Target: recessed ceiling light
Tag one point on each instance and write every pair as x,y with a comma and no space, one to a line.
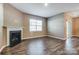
46,4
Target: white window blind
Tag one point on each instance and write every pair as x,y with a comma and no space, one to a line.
35,25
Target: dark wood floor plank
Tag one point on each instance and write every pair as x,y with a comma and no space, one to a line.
44,46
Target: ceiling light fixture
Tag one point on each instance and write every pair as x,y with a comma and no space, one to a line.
46,4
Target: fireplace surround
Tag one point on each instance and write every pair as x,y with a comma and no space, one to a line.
14,36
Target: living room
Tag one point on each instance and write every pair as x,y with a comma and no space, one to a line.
38,29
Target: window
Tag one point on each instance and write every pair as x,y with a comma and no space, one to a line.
35,25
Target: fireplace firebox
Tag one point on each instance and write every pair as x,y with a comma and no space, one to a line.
15,37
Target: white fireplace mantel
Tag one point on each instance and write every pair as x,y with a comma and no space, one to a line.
13,29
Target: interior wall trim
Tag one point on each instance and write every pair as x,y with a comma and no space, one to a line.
2,48
56,37
44,36
34,37
76,35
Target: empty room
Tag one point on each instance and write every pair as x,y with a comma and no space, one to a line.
39,29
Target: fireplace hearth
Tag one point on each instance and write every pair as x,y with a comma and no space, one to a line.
15,37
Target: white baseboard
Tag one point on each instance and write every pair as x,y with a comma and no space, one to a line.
56,37
34,37
43,36
76,35
2,48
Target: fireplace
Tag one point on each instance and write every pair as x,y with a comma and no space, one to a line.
15,37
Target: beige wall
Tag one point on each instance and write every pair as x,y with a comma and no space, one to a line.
16,18
27,33
12,16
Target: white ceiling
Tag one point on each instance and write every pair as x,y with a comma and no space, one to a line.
40,10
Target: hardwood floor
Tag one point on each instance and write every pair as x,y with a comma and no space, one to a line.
44,46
